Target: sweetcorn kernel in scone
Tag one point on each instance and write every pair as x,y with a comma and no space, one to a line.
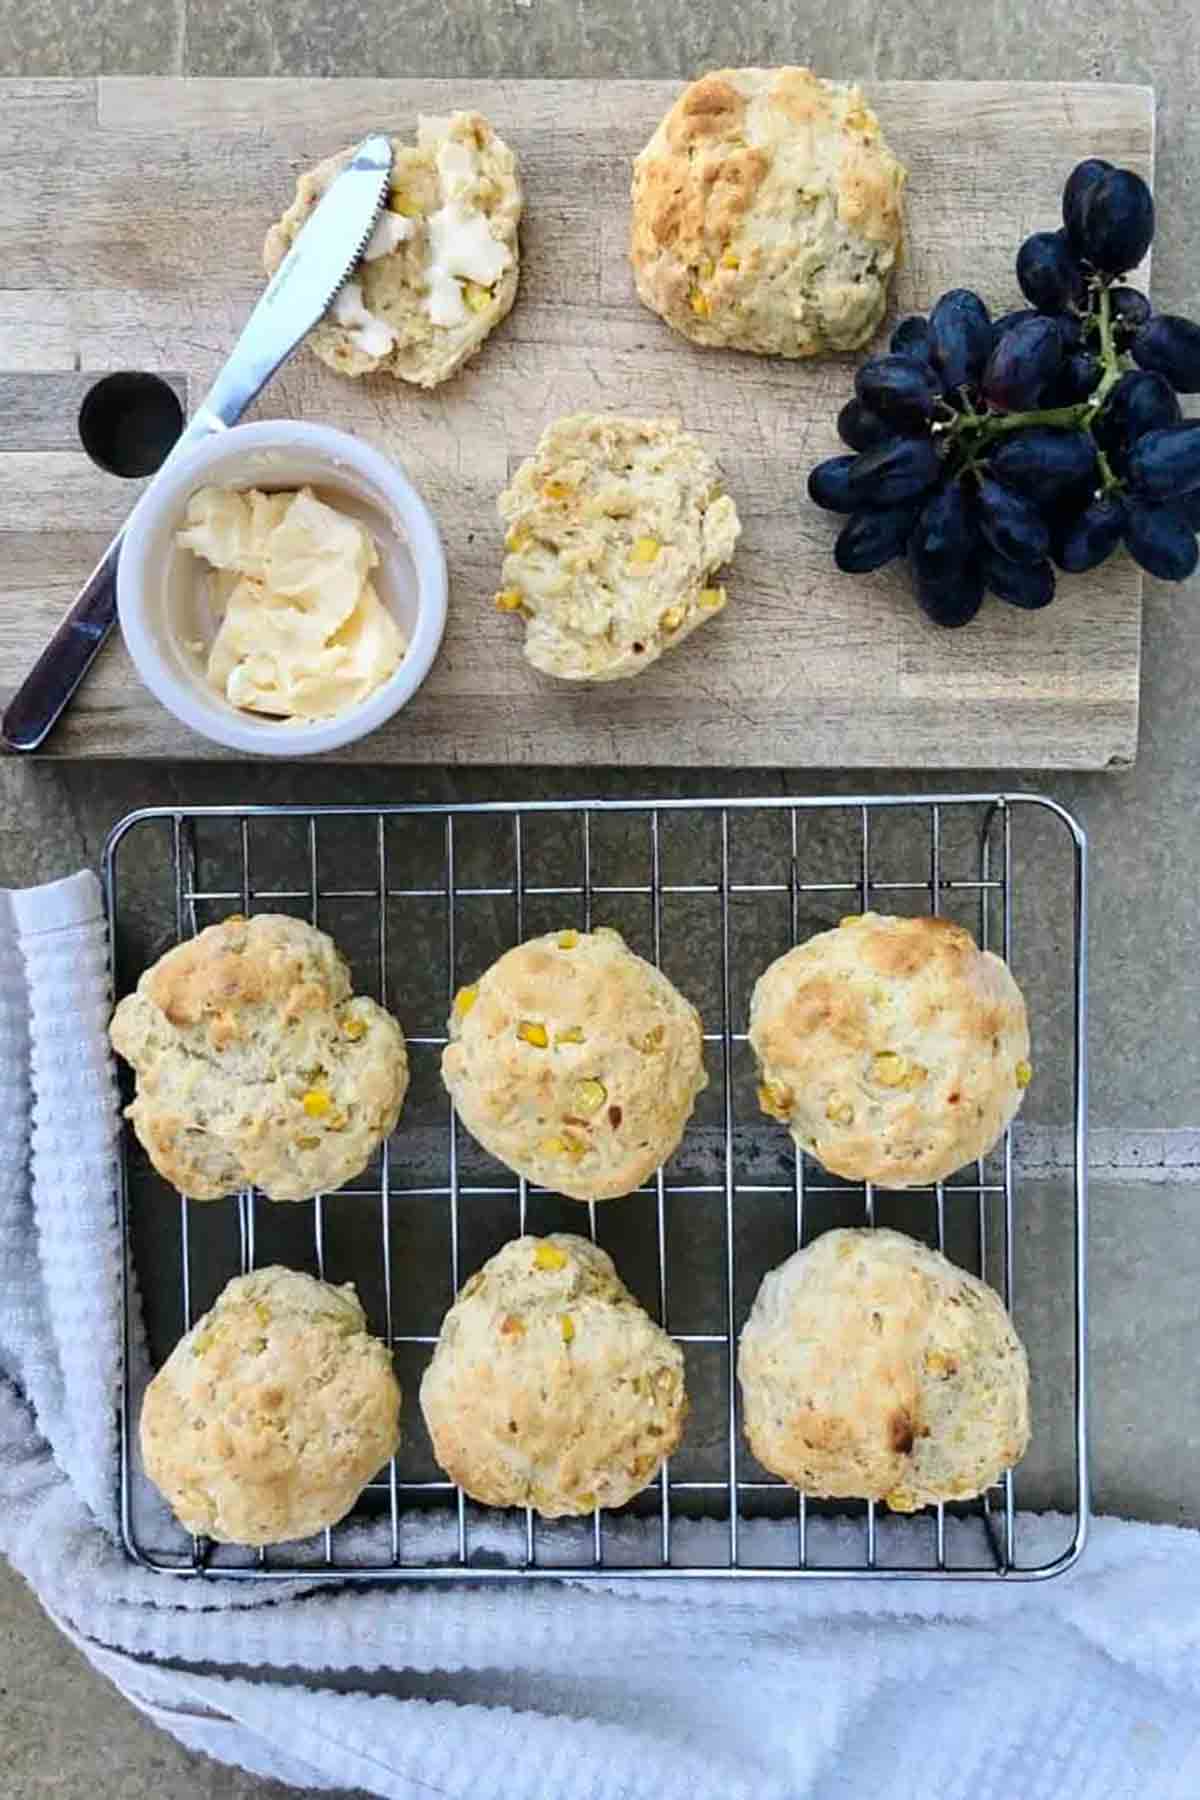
895,1050
256,1063
269,1418
440,271
767,214
575,1062
872,1368
616,530
550,1386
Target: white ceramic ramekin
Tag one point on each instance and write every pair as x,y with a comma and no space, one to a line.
161,588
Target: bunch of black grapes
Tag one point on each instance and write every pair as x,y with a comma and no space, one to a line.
987,451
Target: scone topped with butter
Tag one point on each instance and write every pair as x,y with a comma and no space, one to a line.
767,214
440,271
894,1049
269,1418
616,530
257,1065
575,1062
550,1386
300,629
872,1368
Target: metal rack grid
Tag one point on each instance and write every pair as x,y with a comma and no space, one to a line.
422,1526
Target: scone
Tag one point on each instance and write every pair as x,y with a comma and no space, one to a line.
616,528
256,1064
440,271
894,1050
550,1387
872,1368
269,1418
575,1062
767,214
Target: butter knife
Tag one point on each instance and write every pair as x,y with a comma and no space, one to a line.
299,294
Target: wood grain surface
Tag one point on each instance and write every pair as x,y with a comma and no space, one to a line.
132,214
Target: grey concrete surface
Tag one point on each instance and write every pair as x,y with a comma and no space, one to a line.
65,1732
62,1732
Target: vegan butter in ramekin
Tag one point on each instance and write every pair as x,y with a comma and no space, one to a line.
302,632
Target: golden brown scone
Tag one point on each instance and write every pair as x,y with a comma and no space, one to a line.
269,1418
767,214
616,528
256,1065
893,1049
575,1062
441,269
872,1368
550,1387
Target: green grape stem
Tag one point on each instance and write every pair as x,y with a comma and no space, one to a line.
971,432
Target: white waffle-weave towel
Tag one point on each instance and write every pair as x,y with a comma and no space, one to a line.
1087,1686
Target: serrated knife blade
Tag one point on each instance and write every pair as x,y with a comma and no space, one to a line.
304,285
298,295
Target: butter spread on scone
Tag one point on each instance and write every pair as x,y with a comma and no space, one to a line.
616,530
872,1368
256,1063
440,269
894,1049
575,1062
550,1386
767,214
302,633
269,1418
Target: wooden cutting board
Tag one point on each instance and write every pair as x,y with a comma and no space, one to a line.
132,214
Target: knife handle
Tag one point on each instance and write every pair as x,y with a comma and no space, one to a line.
34,708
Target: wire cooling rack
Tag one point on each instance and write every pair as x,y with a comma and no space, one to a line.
422,898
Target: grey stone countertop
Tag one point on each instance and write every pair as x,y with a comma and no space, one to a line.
62,1731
